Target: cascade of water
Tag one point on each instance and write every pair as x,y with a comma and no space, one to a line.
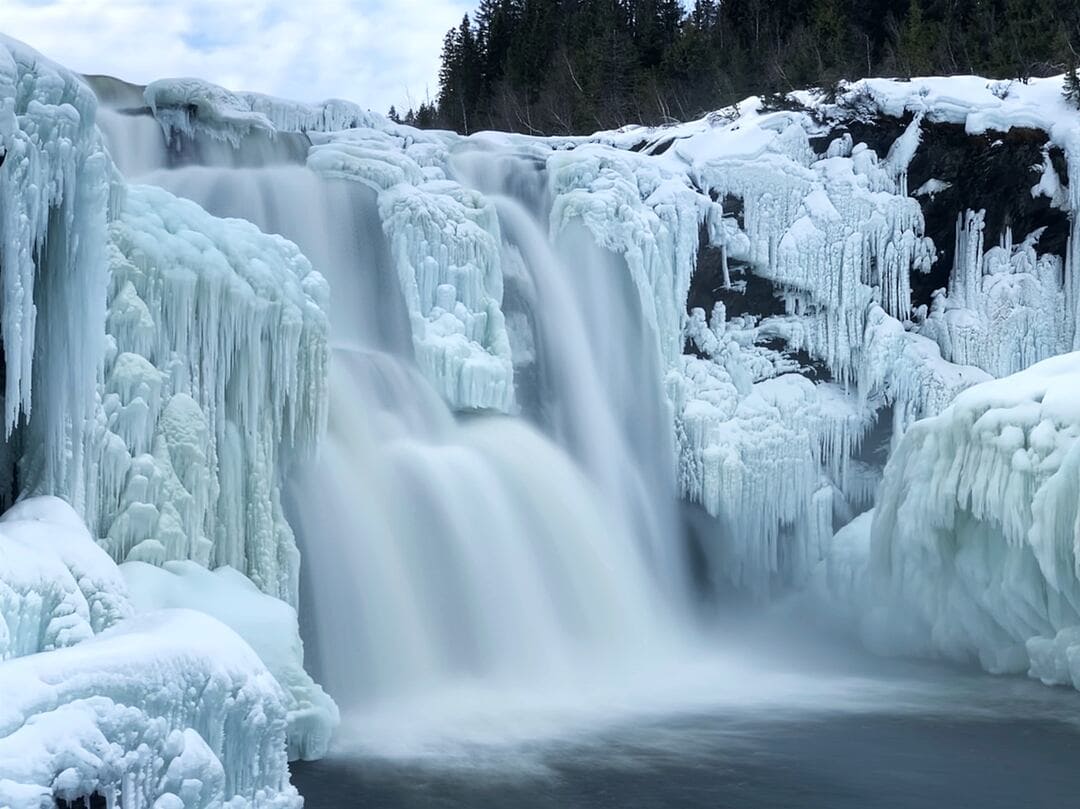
598,389
440,549
335,224
459,550
600,393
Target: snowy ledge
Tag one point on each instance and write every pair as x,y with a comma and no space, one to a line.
971,552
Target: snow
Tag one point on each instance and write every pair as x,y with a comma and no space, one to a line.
138,707
267,624
172,703
186,106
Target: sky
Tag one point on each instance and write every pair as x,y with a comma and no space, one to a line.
373,52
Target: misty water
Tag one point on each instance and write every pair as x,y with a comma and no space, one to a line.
792,720
501,605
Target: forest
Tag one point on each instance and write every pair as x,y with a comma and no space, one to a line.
552,67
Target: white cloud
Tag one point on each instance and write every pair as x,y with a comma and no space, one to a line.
374,52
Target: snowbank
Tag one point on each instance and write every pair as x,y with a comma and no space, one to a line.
167,705
266,623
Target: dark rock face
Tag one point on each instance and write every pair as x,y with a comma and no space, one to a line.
750,294
93,801
874,450
993,172
754,296
879,133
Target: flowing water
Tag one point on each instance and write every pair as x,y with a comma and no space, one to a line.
500,604
487,553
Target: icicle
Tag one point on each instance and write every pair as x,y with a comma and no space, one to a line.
218,383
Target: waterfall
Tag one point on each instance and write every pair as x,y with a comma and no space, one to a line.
445,550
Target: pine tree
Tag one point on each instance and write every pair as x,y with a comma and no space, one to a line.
827,24
1071,89
915,40
426,116
392,114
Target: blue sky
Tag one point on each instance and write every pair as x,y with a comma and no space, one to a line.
374,52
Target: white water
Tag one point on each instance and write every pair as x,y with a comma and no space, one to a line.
489,555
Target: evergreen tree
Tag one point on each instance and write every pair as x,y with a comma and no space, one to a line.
1071,89
426,116
829,30
552,66
914,45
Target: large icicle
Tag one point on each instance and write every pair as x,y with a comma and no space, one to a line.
1006,309
54,184
215,379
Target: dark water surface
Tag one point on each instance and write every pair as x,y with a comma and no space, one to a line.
950,739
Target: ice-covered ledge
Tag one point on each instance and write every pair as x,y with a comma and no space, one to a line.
971,552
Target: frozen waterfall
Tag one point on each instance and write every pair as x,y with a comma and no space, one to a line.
496,422
518,550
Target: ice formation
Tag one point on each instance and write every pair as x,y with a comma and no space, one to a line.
168,707
186,106
970,551
163,369
1005,309
268,624
55,182
445,243
838,238
215,379
835,233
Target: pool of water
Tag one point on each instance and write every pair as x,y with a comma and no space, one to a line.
836,731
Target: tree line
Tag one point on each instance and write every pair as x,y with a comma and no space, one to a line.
570,66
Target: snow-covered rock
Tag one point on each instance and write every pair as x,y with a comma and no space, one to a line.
187,106
167,704
268,624
971,553
141,707
57,587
